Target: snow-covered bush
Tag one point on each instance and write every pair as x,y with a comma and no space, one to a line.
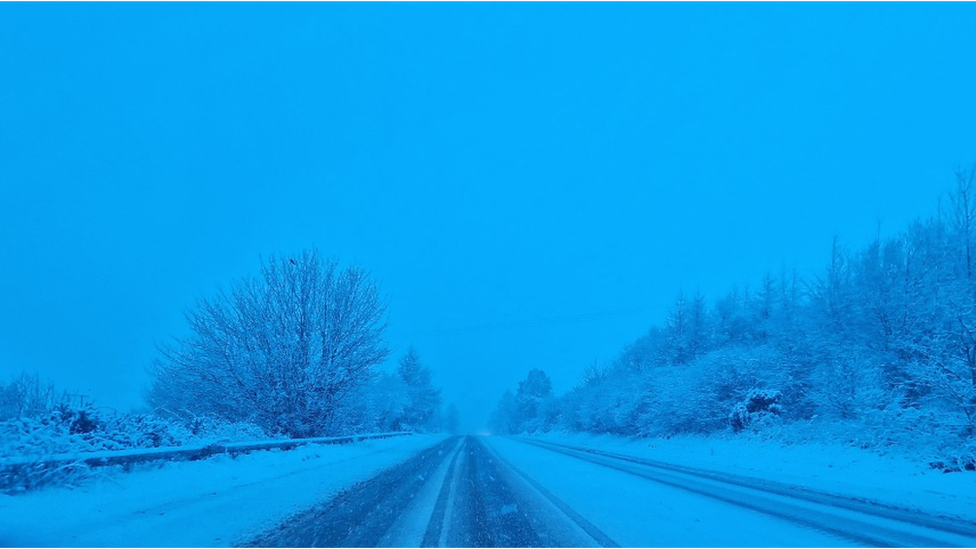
209,429
64,430
674,403
760,408
957,459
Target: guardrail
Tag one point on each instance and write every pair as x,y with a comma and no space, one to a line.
12,471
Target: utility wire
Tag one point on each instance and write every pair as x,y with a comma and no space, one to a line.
548,321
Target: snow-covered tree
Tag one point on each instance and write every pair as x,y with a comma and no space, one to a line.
452,419
375,406
532,401
503,417
422,412
284,351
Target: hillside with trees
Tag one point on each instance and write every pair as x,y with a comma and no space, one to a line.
878,350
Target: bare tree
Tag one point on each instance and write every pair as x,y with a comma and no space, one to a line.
964,211
27,396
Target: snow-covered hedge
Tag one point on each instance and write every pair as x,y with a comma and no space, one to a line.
90,429
69,430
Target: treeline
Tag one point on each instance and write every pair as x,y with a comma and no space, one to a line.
38,420
292,353
878,349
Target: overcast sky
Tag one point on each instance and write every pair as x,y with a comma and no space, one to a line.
509,173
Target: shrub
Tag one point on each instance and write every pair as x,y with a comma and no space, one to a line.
760,407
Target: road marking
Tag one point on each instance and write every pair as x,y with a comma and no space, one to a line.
451,497
410,527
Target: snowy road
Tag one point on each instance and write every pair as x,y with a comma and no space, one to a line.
427,491
499,492
456,494
696,507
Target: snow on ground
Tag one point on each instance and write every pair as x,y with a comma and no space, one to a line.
216,502
892,479
635,512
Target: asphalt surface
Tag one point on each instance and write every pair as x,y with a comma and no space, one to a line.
477,500
462,493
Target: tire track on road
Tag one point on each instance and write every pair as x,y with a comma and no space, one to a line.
361,515
458,493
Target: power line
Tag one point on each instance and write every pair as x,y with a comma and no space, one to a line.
536,322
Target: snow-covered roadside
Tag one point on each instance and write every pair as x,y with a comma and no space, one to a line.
892,479
216,502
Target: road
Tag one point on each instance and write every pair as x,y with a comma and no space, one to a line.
499,492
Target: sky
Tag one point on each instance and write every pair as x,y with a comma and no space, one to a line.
531,184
